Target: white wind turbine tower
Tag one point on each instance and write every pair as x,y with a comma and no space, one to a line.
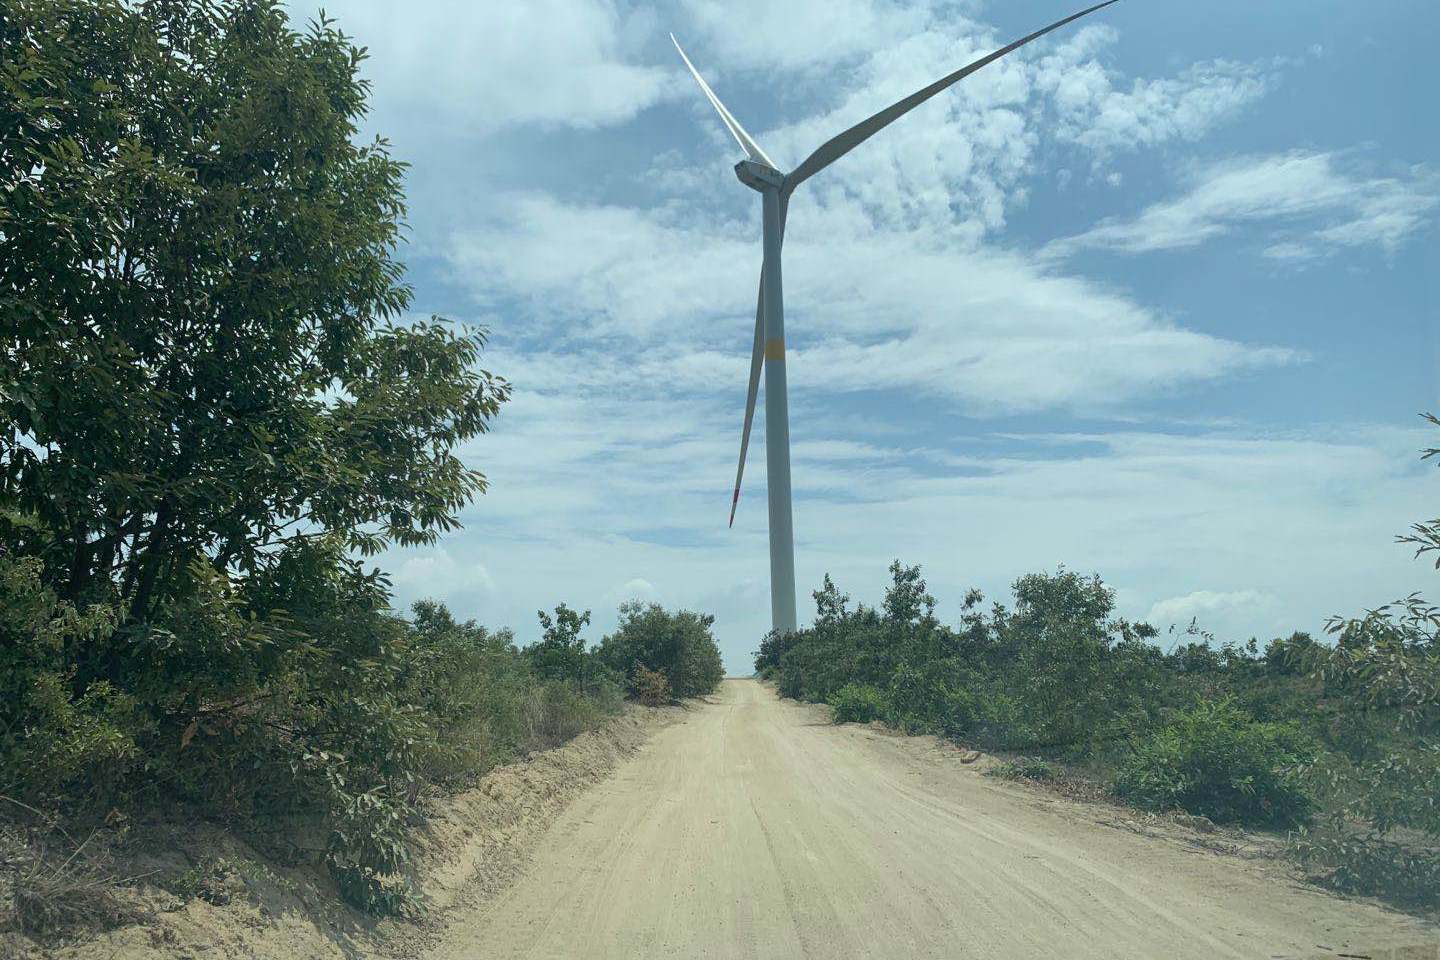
759,173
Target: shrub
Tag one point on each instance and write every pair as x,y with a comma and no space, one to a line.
560,654
57,742
857,703
559,712
1214,760
1367,864
1023,768
679,645
651,687
1382,835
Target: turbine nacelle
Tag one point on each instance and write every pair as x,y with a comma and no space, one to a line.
759,176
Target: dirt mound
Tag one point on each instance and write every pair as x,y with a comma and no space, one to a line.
176,889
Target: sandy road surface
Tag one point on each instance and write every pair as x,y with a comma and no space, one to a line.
753,829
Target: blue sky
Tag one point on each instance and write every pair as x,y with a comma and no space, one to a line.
1153,298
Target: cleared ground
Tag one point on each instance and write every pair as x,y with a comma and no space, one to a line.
756,829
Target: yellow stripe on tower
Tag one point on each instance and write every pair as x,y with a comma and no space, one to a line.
775,349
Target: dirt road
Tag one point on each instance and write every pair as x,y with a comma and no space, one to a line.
755,829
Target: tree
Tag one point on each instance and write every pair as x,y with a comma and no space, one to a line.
560,653
204,352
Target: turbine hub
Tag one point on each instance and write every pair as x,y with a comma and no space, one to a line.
758,176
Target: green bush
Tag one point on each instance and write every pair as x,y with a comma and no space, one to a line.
1382,679
560,653
559,712
1214,760
59,739
1363,863
679,645
1024,768
857,703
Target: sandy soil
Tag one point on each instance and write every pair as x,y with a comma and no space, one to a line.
756,829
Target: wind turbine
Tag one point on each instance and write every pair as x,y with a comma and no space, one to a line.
758,172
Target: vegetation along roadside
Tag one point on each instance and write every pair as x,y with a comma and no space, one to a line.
1335,741
217,409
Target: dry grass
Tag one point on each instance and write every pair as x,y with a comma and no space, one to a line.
53,886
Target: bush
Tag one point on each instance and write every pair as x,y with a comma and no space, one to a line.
57,742
651,687
1214,760
560,712
857,703
560,654
59,890
1370,865
679,645
1023,768
202,445
1382,834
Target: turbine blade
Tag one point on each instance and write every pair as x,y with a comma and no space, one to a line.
747,143
757,360
836,147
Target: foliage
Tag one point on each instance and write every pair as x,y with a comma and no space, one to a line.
203,359
1425,536
1372,865
857,703
678,645
1383,832
59,888
214,407
60,740
561,654
650,687
1058,672
1058,676
1214,760
1023,768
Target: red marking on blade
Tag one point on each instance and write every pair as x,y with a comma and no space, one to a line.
734,502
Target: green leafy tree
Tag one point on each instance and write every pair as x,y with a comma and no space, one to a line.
215,405
560,653
204,348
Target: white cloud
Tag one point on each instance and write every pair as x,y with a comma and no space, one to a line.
1097,110
438,573
1312,204
799,34
637,588
1202,605
990,330
483,66
959,162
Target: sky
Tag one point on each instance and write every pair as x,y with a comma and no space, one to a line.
1153,298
